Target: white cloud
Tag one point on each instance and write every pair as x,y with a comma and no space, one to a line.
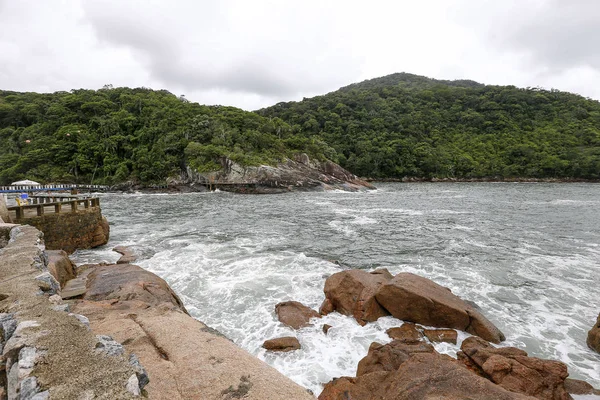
253,54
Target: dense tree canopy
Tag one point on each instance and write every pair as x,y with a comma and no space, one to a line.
407,125
114,135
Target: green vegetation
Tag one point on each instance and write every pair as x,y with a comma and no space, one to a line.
407,125
391,127
113,135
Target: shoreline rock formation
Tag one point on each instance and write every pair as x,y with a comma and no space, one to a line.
593,338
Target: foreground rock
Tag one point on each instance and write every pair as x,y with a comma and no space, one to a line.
283,344
422,376
298,174
593,339
352,293
4,217
389,357
413,298
60,266
184,358
512,369
295,314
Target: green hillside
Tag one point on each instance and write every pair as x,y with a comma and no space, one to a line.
115,135
407,125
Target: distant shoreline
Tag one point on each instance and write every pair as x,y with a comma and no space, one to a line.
481,180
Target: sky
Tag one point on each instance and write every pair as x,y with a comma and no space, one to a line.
256,53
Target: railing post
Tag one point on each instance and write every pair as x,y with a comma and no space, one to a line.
40,210
57,208
73,205
86,203
20,212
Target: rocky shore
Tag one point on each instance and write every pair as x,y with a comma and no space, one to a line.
409,367
111,331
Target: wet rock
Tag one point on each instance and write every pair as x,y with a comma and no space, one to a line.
295,314
60,266
326,328
417,299
576,386
47,283
108,346
512,369
127,255
422,376
406,333
283,344
353,292
388,357
593,338
441,335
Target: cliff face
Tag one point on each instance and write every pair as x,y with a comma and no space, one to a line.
298,174
82,229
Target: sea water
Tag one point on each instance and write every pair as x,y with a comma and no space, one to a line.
527,254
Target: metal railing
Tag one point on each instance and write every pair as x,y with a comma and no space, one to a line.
46,188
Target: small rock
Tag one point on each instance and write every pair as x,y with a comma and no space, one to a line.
47,283
62,307
441,335
55,299
326,328
406,333
108,346
295,314
82,318
593,339
133,385
27,357
140,372
284,344
29,388
45,395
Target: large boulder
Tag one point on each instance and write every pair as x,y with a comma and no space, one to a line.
422,376
593,339
4,217
413,298
388,357
512,369
353,292
126,282
60,266
295,314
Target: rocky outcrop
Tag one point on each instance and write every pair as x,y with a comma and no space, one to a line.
184,358
427,375
407,333
593,338
576,386
513,370
294,314
299,174
352,292
413,298
82,229
441,335
283,344
389,357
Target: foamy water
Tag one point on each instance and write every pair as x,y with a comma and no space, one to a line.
527,254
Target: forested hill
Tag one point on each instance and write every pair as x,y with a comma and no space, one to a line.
407,125
114,135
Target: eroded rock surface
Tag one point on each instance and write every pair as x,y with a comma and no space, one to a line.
389,357
512,369
284,344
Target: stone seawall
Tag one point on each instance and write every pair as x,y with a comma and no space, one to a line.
82,229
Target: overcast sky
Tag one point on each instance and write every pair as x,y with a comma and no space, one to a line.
253,54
